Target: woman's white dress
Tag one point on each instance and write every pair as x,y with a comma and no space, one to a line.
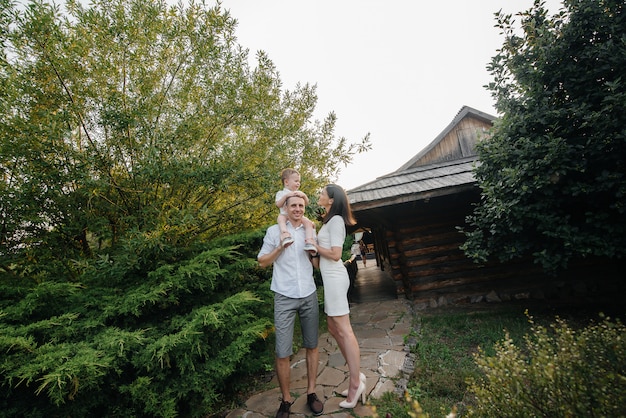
334,273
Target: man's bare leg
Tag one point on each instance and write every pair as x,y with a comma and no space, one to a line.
312,362
283,372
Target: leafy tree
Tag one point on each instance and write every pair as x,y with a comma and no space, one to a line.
138,126
553,174
135,139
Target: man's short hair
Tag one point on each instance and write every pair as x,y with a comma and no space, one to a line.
287,200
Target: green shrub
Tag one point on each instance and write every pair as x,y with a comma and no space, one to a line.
560,372
173,341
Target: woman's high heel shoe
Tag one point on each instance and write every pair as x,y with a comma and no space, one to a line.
345,392
359,393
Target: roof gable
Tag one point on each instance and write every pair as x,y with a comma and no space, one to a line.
444,167
456,141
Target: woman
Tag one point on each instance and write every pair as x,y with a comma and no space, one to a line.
329,246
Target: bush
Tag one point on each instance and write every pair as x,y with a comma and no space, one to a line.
559,372
175,341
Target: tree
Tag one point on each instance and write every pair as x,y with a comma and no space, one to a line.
136,126
553,174
135,141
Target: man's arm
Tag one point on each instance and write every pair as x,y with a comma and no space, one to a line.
315,260
266,260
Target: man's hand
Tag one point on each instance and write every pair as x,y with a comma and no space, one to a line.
315,258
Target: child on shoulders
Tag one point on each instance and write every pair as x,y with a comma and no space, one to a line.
291,182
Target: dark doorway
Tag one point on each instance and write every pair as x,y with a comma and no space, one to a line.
371,284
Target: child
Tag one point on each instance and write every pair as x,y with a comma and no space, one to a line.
291,183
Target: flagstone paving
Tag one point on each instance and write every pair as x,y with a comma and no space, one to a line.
381,328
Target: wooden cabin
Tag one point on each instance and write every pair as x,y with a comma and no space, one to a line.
414,214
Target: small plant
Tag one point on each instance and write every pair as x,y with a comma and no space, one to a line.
559,372
408,406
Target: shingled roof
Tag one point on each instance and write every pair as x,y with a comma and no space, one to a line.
443,167
414,184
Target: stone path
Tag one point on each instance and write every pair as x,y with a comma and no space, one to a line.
381,328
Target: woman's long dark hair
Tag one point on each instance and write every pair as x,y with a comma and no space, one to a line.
340,205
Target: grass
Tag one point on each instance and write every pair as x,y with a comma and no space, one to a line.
446,342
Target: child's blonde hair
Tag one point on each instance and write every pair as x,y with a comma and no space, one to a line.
286,173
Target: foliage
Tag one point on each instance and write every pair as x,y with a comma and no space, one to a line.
552,174
134,129
443,357
409,407
136,145
562,373
176,342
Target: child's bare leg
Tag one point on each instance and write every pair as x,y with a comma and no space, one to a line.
309,228
285,236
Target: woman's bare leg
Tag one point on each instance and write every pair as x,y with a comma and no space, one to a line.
341,329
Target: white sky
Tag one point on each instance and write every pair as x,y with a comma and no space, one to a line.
398,69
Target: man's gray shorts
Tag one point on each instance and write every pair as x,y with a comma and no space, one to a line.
285,310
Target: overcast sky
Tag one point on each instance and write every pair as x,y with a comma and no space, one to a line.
398,69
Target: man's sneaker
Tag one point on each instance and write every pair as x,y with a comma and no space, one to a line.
283,410
315,405
309,247
286,241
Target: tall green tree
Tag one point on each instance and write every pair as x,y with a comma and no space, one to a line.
553,173
132,135
138,127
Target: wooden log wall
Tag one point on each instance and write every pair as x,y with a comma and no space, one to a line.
425,255
427,264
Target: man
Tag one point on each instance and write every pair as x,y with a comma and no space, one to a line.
294,292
